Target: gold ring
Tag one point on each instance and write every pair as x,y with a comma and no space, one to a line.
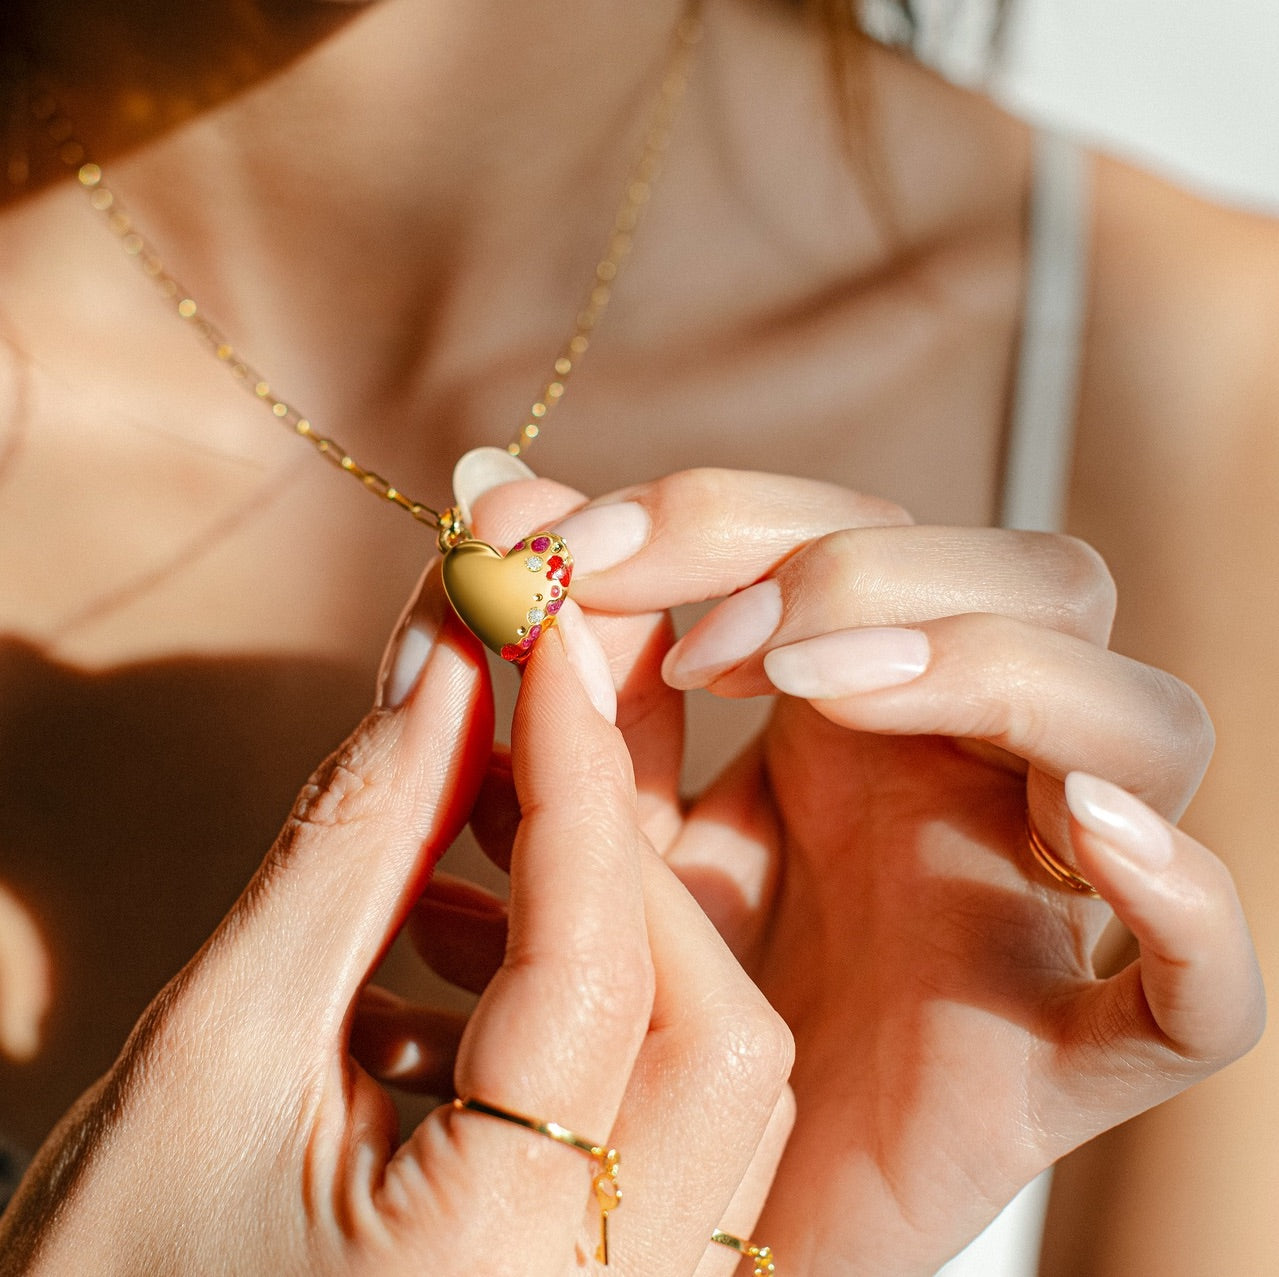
762,1255
1054,866
604,1185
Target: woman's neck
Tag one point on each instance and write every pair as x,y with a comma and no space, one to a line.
338,184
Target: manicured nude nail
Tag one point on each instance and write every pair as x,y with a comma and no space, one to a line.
603,536
848,662
587,658
409,649
725,637
480,471
1121,821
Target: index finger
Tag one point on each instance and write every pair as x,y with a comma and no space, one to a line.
560,1025
556,1034
702,534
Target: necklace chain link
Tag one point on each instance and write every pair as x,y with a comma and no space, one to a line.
70,149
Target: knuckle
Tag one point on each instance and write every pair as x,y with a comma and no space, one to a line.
854,559
1186,730
750,1048
1084,595
1193,726
349,787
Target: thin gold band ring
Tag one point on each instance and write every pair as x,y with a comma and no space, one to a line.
604,1184
1054,866
762,1255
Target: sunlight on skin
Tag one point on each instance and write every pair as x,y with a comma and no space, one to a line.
408,1059
26,986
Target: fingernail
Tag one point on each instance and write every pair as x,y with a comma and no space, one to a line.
480,471
725,637
1121,821
587,659
409,648
605,535
848,662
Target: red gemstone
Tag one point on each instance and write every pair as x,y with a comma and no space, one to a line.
512,653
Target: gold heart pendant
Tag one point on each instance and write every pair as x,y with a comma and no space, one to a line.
508,601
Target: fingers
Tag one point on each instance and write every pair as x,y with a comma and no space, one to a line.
649,714
742,1213
577,946
365,832
708,1109
1194,1001
701,534
558,1029
617,1011
895,576
1057,701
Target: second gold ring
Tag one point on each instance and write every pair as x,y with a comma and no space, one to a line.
1054,866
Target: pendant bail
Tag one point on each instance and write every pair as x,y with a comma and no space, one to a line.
452,530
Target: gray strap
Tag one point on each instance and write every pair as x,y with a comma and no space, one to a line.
1041,432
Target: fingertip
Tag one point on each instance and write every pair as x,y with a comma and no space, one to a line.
1120,822
731,632
1198,967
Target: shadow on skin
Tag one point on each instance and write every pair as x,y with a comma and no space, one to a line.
135,803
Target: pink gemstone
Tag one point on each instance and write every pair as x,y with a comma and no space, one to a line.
555,590
532,636
541,545
517,547
554,606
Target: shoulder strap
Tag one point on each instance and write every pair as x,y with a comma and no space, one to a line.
1041,432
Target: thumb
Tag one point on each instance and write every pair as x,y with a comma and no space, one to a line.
1193,1001
368,827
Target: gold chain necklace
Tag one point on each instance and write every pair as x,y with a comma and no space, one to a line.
507,601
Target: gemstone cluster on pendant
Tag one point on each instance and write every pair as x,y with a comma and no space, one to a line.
546,556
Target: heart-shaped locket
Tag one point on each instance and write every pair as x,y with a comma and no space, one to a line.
509,600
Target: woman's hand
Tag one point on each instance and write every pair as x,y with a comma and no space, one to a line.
867,858
237,1133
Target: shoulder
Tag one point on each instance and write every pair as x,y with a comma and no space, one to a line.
1177,461
1185,295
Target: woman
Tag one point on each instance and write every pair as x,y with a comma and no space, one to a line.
394,207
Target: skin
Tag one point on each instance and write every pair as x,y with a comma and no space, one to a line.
788,321
948,946
250,1041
